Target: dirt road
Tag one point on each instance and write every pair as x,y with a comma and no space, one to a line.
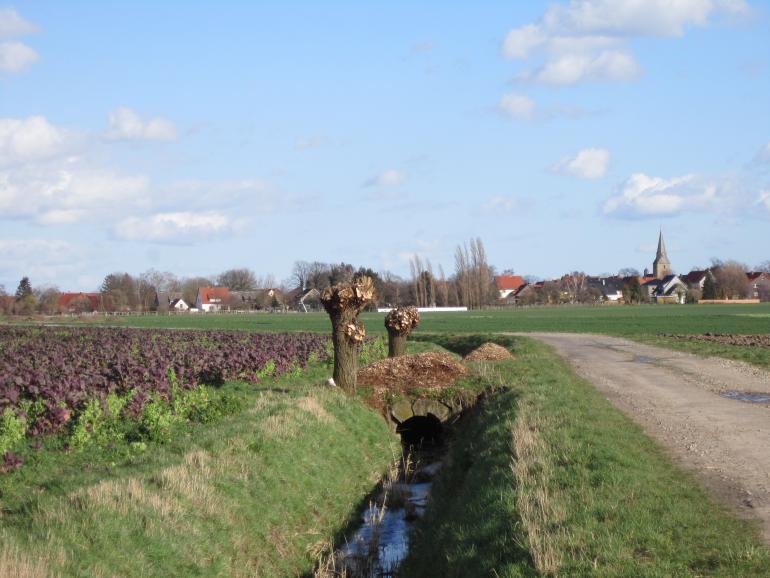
676,398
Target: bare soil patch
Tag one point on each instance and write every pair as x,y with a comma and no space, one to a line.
726,339
489,352
422,370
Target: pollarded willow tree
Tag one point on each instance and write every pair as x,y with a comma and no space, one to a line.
399,323
343,302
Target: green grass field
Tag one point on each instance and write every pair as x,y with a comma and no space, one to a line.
628,320
640,322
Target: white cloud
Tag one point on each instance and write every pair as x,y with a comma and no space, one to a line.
126,124
68,191
15,56
32,138
176,227
500,204
12,25
609,65
389,178
764,199
584,40
587,164
517,106
629,17
645,196
42,260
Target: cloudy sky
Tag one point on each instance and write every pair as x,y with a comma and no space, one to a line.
197,137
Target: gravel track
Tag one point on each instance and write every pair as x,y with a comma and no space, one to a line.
675,397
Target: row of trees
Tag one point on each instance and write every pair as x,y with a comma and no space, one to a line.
471,285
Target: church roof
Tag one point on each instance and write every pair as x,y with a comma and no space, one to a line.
660,256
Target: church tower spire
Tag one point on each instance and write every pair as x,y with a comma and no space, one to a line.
661,266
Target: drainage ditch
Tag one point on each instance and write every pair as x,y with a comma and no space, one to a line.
381,542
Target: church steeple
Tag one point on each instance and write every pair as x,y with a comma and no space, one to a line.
661,266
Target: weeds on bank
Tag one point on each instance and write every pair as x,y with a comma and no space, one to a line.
546,477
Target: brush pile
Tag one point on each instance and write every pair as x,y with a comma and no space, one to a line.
489,352
421,370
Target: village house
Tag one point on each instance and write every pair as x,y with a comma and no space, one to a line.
759,284
212,298
80,302
611,288
170,301
508,285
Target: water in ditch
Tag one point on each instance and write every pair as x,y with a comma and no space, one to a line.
379,545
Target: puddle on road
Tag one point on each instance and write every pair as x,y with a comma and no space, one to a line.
645,359
747,396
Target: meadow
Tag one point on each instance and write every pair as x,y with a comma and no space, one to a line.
625,320
646,323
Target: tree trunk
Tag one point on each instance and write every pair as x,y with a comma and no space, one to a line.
345,351
343,302
396,343
399,323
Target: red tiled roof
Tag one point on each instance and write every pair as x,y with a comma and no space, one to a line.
217,294
754,275
66,300
645,280
509,282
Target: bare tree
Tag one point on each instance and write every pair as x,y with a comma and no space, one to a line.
47,299
190,285
473,275
392,289
731,280
238,280
300,273
628,272
423,282
575,284
764,266
442,297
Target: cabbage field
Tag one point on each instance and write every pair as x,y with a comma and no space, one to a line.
61,370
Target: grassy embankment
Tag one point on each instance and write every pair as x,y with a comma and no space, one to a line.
640,322
548,478
262,492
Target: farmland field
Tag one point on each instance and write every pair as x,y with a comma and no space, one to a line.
646,323
627,320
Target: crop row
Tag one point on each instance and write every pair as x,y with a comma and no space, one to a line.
65,368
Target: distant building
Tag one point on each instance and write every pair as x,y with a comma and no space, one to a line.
212,298
611,288
508,284
670,289
661,266
696,279
760,285
79,302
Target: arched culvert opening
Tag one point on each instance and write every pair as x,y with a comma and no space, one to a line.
420,430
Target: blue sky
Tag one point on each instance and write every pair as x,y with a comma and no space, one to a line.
197,137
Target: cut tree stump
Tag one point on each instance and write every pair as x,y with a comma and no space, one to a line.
343,302
399,322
